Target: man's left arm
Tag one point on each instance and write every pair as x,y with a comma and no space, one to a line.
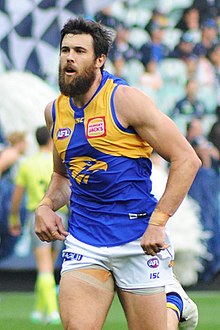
136,109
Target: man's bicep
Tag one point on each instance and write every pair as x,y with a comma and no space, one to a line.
164,136
138,110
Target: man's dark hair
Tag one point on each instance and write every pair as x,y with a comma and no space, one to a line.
102,38
42,136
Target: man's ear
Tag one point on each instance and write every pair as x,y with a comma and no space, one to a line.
100,61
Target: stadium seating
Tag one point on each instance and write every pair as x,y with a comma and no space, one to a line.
138,36
174,76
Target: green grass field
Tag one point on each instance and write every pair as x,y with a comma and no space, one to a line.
15,309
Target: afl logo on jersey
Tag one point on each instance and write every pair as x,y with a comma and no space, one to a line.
63,133
96,127
153,263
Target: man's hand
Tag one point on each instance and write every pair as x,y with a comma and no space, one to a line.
153,240
48,225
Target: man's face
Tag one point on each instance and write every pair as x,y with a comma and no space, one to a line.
77,68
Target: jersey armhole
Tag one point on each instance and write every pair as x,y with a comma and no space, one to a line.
117,122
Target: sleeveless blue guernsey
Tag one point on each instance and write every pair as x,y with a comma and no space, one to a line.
108,166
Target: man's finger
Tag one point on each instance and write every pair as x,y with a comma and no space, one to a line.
56,235
62,229
165,246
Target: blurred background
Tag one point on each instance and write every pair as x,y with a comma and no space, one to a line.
171,51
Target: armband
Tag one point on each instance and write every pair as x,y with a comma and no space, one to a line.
159,218
46,201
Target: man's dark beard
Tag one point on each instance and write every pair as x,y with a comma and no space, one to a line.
80,85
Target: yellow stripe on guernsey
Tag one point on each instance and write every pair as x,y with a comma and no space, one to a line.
62,138
101,129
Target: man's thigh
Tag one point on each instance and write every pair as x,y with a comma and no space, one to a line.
85,298
144,312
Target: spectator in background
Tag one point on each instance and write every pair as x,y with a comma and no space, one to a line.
9,157
189,105
189,22
32,178
122,50
184,49
209,37
106,18
205,190
204,70
158,17
154,49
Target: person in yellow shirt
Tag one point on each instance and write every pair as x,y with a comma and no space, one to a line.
32,178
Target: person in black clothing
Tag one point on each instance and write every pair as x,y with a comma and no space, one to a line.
184,49
106,18
155,49
189,104
208,39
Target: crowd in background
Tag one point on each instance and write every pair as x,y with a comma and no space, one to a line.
171,48
173,54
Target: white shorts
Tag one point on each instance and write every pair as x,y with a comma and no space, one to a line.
129,265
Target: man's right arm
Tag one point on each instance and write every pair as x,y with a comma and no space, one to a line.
58,192
48,225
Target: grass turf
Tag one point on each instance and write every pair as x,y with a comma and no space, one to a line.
15,309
